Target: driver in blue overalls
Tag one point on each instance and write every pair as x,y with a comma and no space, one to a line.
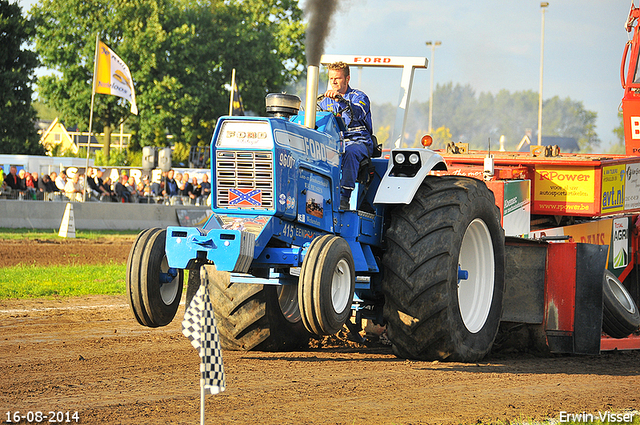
355,109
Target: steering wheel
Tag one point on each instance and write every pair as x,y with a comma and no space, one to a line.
341,111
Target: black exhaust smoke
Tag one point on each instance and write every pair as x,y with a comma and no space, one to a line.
319,13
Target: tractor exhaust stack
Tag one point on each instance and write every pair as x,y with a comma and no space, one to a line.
313,75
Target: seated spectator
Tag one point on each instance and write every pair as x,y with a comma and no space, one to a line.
185,189
106,194
42,182
142,198
170,188
29,184
41,187
53,176
92,186
108,184
196,192
157,187
46,187
122,193
205,187
132,187
12,180
22,184
61,180
73,188
144,188
5,190
35,178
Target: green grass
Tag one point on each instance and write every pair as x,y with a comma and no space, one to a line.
20,234
66,281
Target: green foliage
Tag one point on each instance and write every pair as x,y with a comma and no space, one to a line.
117,158
383,134
181,154
618,148
441,137
44,112
17,66
180,54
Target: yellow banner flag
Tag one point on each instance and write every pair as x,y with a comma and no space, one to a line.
113,76
236,102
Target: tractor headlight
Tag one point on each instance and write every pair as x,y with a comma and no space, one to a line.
406,163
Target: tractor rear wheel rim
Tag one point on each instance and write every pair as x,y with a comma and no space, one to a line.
288,300
621,295
475,294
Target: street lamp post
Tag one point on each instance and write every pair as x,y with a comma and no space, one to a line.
433,49
543,7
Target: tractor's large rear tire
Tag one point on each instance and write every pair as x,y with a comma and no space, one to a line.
254,317
433,312
154,294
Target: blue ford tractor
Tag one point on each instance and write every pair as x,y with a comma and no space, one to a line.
422,254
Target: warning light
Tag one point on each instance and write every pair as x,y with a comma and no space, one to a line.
427,140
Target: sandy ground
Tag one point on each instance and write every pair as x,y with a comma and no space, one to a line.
89,355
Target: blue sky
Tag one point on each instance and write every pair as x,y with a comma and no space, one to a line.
493,45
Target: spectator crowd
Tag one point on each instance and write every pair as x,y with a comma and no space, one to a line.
171,189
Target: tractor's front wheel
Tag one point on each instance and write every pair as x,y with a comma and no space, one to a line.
444,272
252,316
326,285
154,289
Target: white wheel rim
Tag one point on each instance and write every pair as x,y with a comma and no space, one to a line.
341,286
475,294
621,294
288,300
168,291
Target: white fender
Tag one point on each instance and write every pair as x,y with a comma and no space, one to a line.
399,189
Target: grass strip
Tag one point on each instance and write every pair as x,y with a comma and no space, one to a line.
62,281
30,234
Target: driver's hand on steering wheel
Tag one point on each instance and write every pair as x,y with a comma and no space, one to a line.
333,94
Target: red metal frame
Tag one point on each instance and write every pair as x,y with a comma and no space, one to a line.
631,342
631,98
560,288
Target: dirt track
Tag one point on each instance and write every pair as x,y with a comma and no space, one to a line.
89,355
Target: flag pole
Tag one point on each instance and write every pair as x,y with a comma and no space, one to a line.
93,93
202,380
233,87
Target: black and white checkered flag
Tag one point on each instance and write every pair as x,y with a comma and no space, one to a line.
199,325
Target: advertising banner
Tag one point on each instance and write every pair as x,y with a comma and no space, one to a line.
612,197
564,190
632,187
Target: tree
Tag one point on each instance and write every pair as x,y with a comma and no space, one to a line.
476,119
619,147
66,41
441,137
568,118
17,66
180,54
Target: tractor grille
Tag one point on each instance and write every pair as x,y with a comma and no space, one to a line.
244,170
